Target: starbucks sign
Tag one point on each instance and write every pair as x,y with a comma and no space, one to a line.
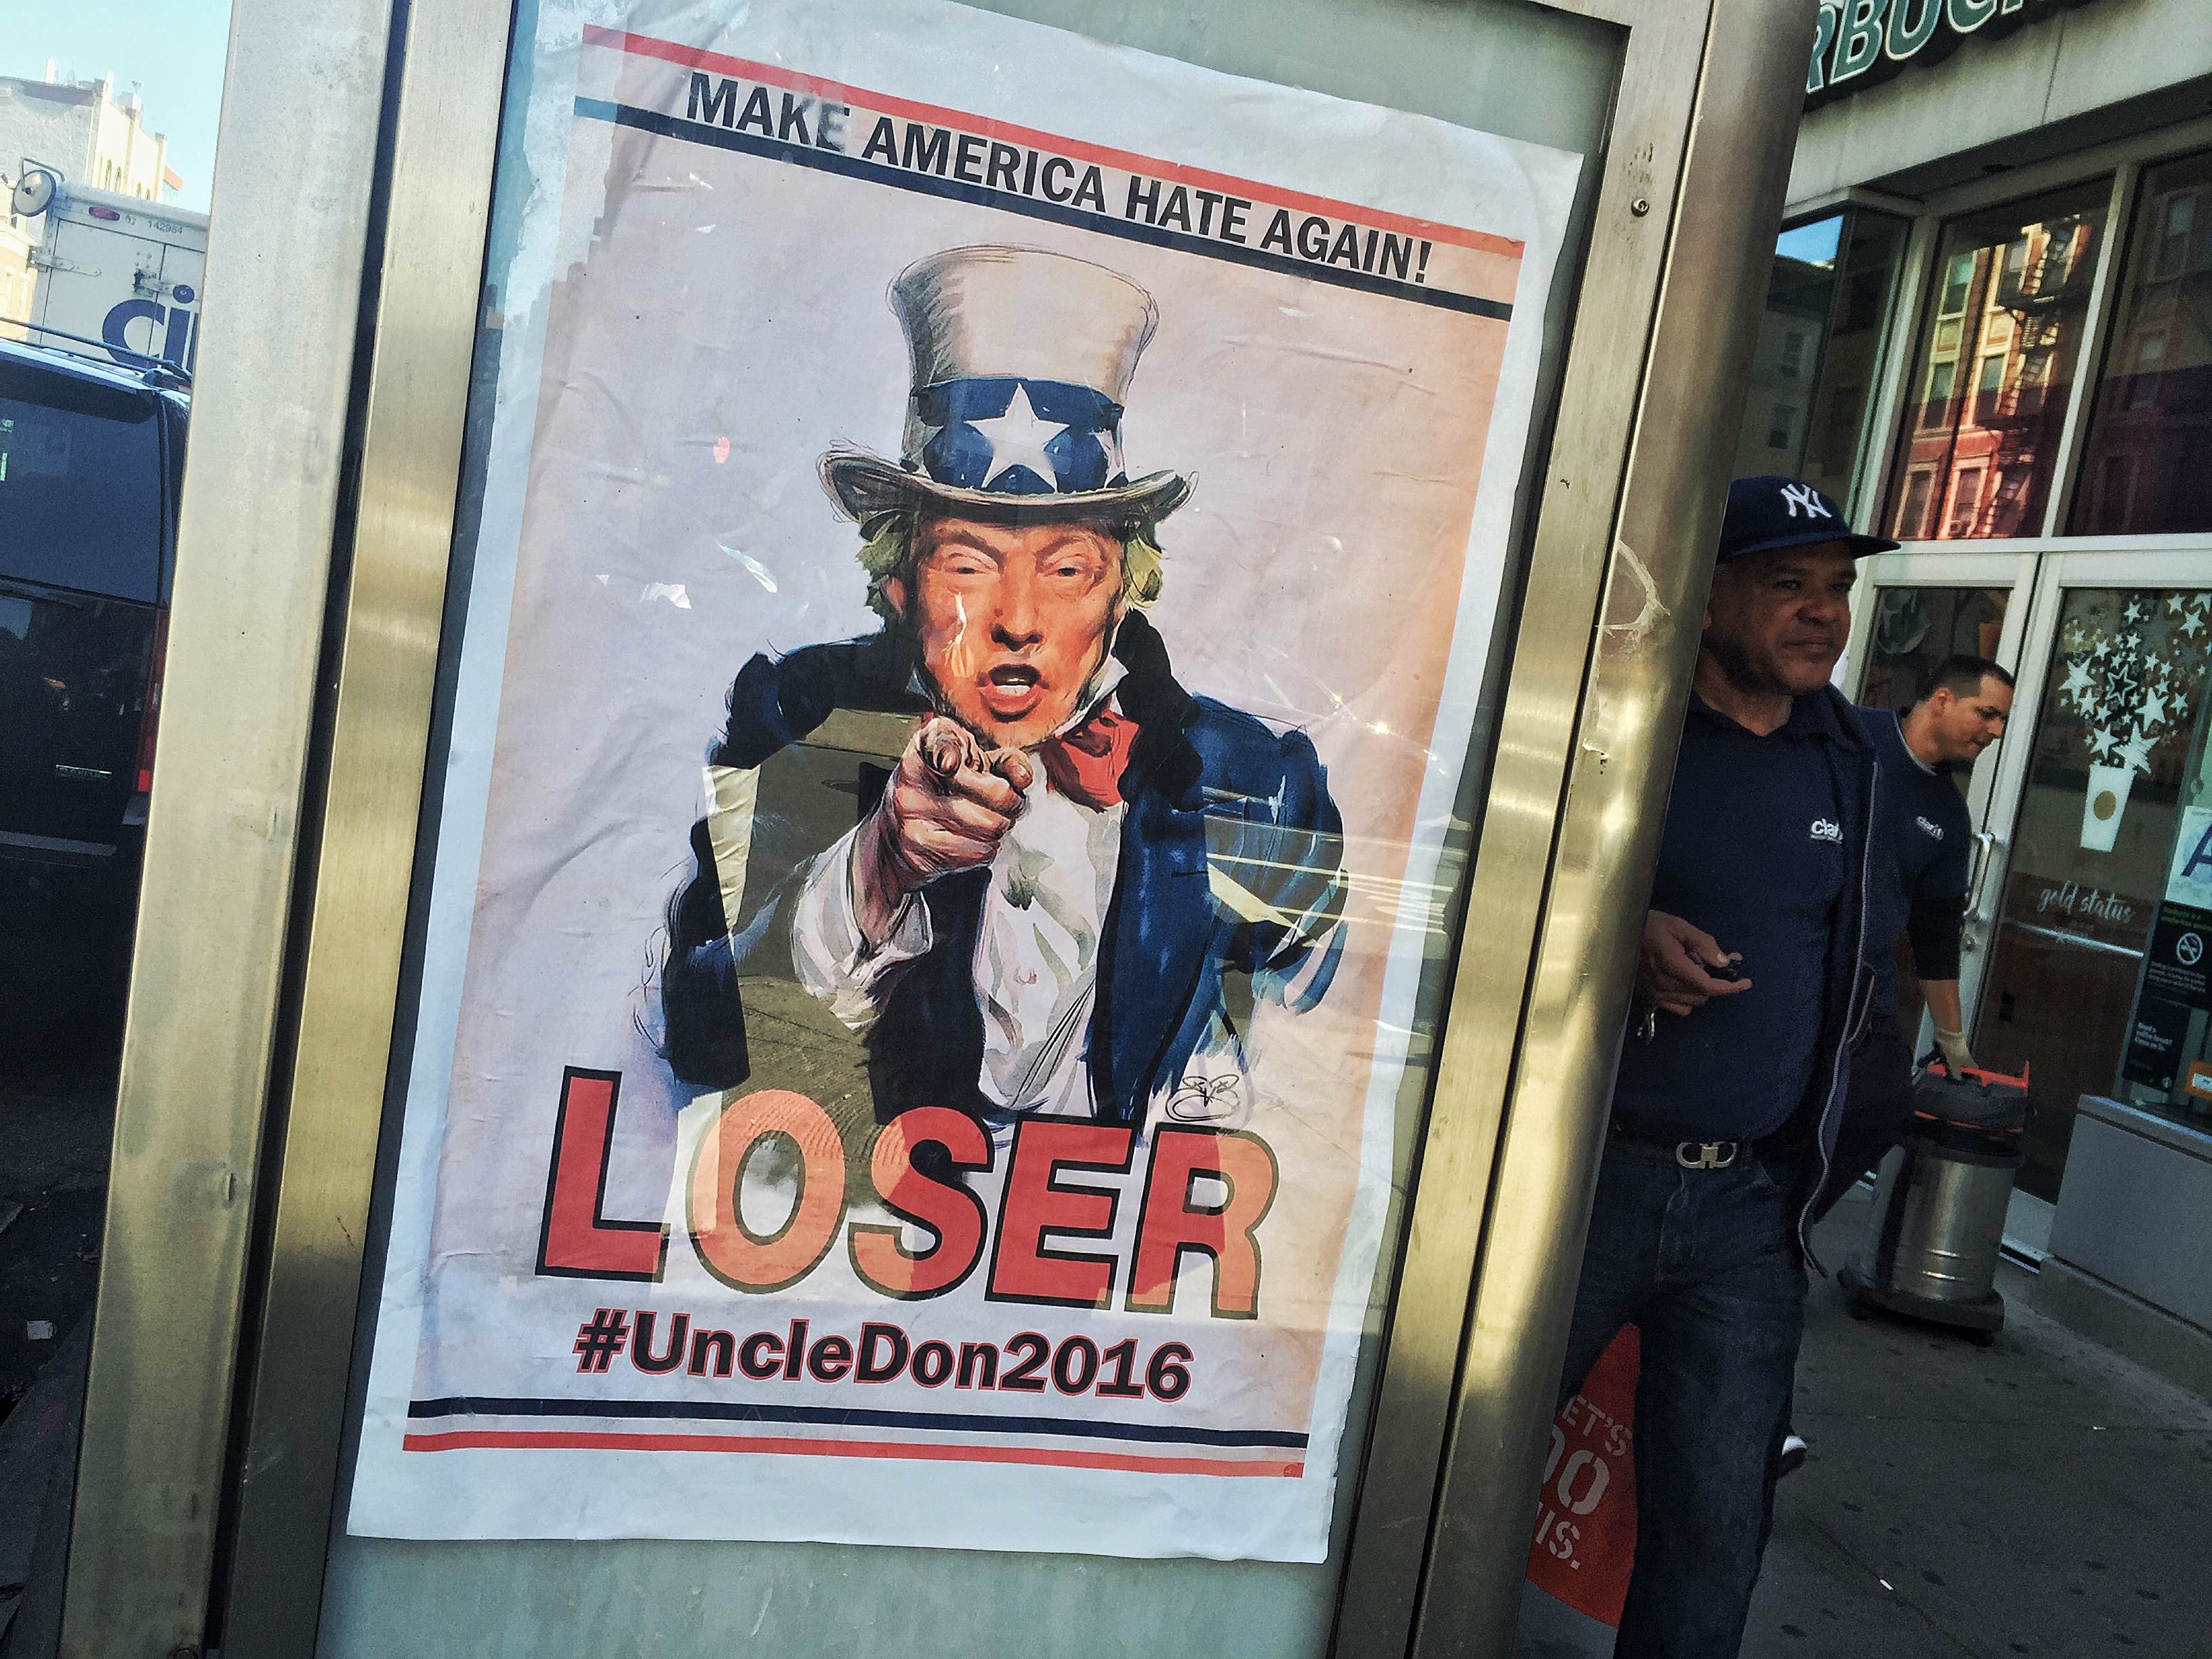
1862,43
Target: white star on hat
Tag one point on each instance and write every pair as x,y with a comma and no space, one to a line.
1018,438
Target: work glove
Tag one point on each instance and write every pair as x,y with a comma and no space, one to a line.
1957,1057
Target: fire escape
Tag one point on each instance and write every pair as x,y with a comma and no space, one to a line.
2046,298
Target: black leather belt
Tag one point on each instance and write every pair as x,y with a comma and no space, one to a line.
1688,1154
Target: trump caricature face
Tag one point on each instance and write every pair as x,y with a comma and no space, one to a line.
1013,619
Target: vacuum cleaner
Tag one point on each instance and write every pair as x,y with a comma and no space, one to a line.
1940,1202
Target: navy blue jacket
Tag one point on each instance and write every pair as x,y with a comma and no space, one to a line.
1848,988
1850,992
1215,797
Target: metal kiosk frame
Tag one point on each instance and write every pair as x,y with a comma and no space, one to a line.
318,519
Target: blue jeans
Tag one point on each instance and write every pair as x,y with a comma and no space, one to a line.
1705,1262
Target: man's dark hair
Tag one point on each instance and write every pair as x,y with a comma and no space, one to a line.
1962,676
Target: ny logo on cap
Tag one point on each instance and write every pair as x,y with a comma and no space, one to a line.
1804,495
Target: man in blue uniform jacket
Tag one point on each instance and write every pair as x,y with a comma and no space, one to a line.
1753,981
1919,898
1079,880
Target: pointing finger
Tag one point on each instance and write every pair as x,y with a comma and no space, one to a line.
1014,767
946,747
989,789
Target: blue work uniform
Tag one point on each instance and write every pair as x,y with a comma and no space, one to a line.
1922,852
1754,853
1917,878
1766,848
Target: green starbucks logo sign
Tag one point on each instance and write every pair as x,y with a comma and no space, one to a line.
1862,43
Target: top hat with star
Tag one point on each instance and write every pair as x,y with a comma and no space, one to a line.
1022,359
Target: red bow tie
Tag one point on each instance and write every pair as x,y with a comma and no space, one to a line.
1085,763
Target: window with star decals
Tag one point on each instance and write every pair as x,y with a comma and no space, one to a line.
2115,779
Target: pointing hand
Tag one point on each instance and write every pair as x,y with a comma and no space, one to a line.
946,808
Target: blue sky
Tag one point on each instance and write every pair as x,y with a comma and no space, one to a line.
1816,243
172,48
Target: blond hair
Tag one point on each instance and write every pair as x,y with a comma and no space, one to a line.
887,551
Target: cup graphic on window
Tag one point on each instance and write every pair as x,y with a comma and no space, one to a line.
2104,804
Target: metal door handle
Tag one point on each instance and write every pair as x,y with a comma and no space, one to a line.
1985,842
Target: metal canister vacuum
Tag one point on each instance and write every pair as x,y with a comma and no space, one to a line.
1939,1207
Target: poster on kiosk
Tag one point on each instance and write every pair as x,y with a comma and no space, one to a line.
989,546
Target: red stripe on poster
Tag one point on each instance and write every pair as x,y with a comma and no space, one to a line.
572,1440
644,45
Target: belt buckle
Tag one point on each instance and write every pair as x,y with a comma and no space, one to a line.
1705,1154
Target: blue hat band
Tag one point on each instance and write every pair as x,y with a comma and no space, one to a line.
1007,435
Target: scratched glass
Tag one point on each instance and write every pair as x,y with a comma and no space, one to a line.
800,1135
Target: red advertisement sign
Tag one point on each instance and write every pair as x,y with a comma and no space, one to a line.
1585,1541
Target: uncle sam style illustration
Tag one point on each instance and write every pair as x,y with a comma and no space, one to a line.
1075,885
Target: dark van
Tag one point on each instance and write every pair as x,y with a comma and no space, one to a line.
91,459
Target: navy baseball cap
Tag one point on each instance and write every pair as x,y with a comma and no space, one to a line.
1767,512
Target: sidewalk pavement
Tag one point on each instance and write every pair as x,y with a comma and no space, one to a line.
2040,1496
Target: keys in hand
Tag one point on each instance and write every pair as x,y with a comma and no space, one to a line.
1680,968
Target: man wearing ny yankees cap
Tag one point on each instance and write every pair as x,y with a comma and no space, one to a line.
1751,984
1079,878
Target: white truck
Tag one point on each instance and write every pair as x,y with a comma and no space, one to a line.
114,270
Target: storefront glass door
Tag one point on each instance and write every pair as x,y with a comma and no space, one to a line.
2093,800
1914,609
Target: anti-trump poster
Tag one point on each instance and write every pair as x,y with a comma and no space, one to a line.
988,546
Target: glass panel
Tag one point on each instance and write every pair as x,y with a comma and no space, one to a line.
2147,457
81,481
1819,346
1914,629
2118,745
100,300
644,531
1994,367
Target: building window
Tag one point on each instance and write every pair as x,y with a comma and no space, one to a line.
1958,283
1828,302
2154,401
2116,479
2012,288
1936,406
2177,216
1989,385
1966,497
1913,522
